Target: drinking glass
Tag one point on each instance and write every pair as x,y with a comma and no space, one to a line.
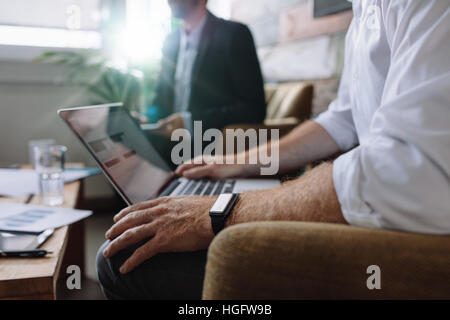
41,143
49,163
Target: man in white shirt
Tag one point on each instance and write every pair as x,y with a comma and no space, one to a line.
390,122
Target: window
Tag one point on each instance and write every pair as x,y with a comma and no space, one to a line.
221,8
130,30
147,24
51,23
328,7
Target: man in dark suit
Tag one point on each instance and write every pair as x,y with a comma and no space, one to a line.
210,69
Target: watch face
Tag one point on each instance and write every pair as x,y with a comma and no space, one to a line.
221,203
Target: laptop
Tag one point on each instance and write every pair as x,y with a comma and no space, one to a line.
132,164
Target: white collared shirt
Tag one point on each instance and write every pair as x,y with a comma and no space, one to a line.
187,55
393,114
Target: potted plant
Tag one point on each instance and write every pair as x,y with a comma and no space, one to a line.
91,71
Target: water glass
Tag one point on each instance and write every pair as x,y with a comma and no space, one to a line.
49,164
35,143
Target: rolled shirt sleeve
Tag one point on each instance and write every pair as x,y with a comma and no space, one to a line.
399,178
338,119
339,125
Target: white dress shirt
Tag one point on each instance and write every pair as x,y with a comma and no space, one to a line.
187,56
393,114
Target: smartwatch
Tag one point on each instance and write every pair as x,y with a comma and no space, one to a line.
221,210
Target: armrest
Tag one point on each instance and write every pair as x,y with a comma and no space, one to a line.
291,121
294,260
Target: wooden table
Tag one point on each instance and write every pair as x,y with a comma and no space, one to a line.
37,278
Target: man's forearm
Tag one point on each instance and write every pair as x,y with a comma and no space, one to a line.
307,143
310,198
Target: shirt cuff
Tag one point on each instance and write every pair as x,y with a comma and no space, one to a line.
347,177
338,129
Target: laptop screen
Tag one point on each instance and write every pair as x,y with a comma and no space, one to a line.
122,150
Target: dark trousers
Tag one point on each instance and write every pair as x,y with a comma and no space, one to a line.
168,276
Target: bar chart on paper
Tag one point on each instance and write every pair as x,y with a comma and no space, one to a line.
26,218
30,218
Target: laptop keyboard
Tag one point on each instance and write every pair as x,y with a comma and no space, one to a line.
207,187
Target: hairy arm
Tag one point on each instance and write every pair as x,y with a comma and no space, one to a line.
310,198
307,143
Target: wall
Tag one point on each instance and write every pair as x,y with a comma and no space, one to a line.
30,95
293,46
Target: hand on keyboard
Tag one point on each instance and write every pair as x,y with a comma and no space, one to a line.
216,168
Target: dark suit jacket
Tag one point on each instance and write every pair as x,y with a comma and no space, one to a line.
227,85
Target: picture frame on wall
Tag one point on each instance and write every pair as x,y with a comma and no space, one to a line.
328,7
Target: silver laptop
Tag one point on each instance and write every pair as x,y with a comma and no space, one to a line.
132,164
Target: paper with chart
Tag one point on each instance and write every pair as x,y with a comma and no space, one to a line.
31,218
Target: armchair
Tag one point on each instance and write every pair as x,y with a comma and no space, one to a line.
295,260
288,104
